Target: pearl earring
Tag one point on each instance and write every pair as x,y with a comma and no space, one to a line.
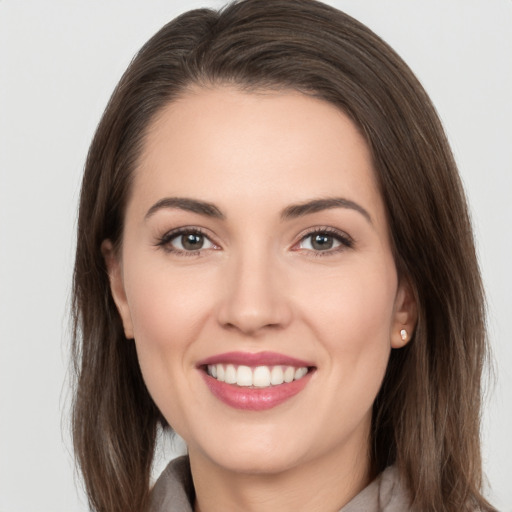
403,335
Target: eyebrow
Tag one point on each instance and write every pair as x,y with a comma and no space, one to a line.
316,205
290,212
189,205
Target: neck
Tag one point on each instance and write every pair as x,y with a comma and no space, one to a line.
325,484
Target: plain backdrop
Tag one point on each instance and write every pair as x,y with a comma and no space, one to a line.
59,62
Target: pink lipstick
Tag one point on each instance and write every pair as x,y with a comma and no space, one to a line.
255,382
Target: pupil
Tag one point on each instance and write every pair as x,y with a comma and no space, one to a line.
322,242
192,241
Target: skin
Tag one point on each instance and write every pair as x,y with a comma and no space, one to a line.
259,284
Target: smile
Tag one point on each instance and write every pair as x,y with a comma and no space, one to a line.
258,377
255,382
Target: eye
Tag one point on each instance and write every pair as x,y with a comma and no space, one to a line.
186,241
325,241
190,242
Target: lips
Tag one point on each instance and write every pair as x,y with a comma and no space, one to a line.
255,381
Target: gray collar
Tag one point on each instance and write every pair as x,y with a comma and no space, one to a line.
174,492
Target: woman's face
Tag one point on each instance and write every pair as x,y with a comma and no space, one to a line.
257,279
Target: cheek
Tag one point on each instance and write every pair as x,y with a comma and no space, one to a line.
165,316
355,304
352,319
352,316
168,311
167,306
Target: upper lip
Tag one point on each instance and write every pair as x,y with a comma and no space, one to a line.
254,359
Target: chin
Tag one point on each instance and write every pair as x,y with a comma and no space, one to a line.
254,455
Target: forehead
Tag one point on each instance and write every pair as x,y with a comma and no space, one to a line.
229,146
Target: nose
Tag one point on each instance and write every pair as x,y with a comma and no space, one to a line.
255,296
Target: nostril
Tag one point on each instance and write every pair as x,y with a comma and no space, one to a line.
252,301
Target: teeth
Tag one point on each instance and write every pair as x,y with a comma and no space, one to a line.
289,373
259,377
244,376
230,377
299,373
276,376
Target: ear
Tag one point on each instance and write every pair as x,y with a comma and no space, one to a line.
406,314
115,275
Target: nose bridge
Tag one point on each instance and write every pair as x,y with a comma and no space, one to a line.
254,297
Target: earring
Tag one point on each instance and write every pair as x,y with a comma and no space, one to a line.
403,335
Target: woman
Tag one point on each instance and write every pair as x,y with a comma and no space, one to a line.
275,259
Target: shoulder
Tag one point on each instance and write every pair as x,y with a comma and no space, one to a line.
173,491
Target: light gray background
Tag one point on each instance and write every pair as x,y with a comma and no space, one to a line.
59,61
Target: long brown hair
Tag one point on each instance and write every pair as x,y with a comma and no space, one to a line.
426,416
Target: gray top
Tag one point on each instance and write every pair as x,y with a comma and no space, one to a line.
174,492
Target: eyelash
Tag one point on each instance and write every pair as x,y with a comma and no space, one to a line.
165,241
346,242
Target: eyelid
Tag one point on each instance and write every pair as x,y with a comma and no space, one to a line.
164,241
346,241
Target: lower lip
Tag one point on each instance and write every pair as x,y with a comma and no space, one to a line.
255,399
